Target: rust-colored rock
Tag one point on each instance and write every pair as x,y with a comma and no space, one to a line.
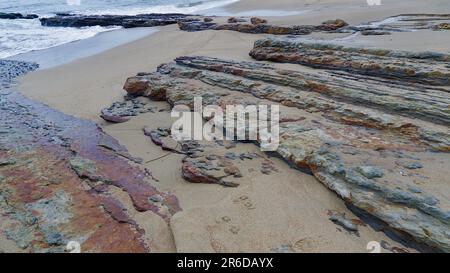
59,188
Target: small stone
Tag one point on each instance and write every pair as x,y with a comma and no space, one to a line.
207,19
258,21
230,155
414,165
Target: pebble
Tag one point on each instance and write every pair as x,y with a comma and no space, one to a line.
414,165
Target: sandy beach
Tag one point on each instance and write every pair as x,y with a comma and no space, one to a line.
282,212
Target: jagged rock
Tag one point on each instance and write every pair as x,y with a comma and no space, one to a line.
141,20
421,67
208,19
262,27
335,124
114,119
17,16
413,166
332,25
258,21
210,170
234,20
145,85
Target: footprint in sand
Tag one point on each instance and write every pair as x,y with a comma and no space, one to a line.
304,245
245,200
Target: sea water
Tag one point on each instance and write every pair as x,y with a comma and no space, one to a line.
21,36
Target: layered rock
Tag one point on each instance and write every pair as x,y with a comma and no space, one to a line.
422,67
381,145
17,16
127,21
260,26
58,174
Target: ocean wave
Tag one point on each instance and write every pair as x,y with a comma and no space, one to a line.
21,36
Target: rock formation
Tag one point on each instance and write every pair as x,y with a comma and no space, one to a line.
260,26
375,136
141,20
57,176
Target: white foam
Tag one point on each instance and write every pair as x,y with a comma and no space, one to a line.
20,36
194,8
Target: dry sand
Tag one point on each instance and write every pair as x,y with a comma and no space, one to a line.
288,210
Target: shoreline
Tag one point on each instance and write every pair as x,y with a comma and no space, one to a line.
72,51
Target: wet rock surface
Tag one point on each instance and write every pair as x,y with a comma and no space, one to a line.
259,25
364,137
56,180
17,16
141,20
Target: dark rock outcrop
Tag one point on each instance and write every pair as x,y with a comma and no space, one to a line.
355,133
261,27
17,16
142,20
